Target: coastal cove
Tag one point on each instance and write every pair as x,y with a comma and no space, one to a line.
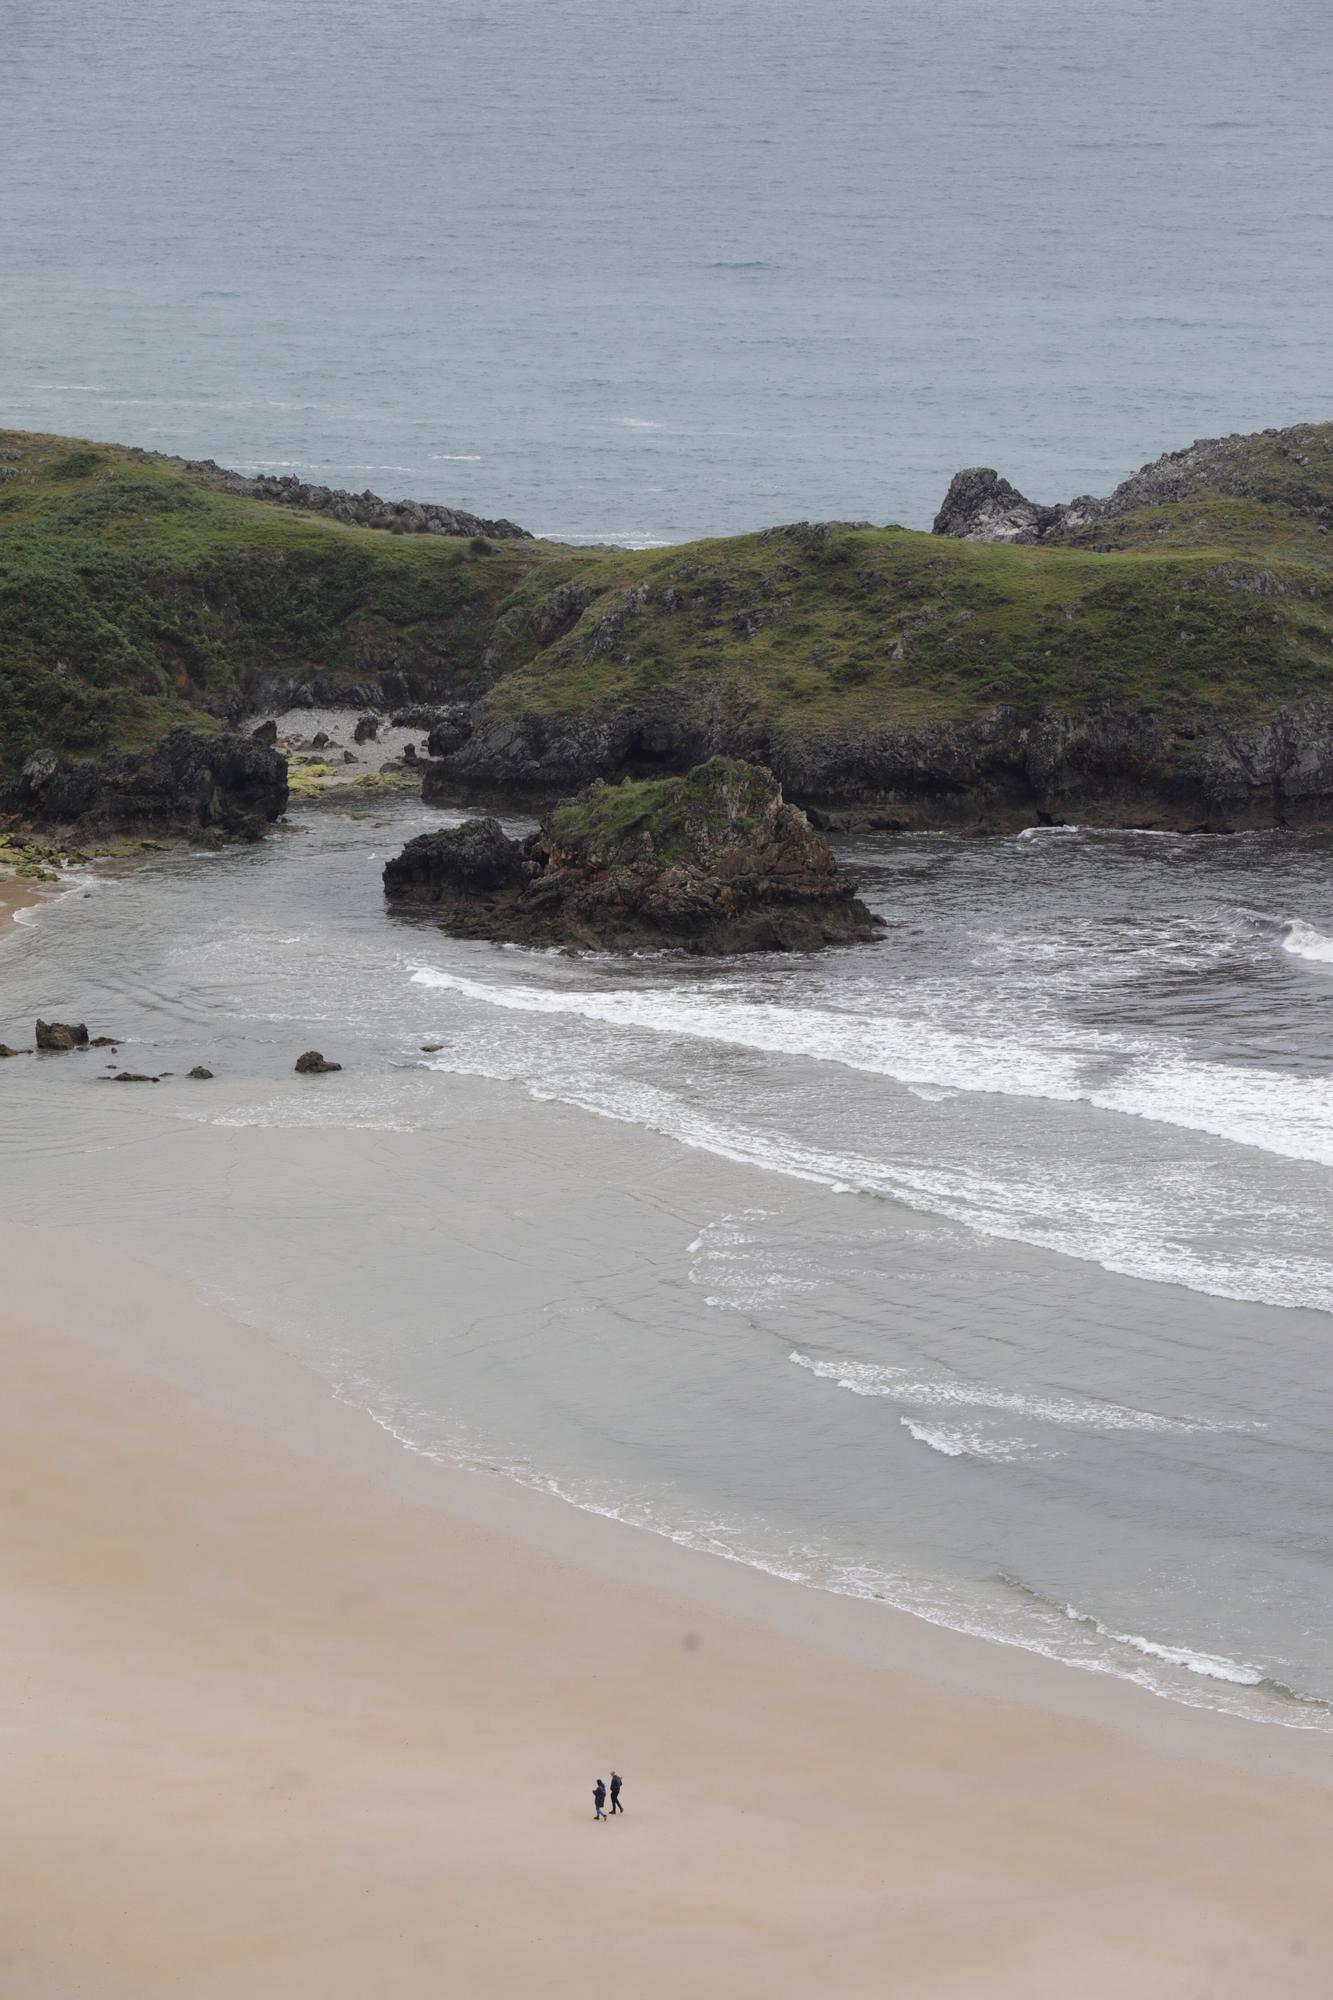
666,964
1085,1429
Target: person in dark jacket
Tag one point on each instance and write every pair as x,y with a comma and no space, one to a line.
616,1806
599,1800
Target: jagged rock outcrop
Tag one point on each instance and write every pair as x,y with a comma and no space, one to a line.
61,1035
1288,469
449,730
981,507
189,782
715,861
359,510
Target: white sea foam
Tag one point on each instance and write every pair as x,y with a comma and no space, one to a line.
1212,1666
901,1385
1026,1621
1103,1231
967,1441
1304,941
1274,1111
72,882
456,457
722,1257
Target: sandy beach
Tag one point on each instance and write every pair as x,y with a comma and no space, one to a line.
283,1727
295,1713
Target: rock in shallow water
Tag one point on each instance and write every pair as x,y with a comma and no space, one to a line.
716,861
57,1035
312,1063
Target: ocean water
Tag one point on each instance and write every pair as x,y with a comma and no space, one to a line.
991,1266
638,274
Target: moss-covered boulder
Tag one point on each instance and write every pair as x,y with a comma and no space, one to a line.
715,861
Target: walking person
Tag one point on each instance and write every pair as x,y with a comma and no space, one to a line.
616,1806
599,1800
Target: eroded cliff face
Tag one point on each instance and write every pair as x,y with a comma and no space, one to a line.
190,782
998,774
715,861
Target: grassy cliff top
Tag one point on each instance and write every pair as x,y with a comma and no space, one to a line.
1212,604
136,593
698,816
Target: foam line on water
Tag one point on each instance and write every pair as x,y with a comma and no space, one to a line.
1020,1618
900,1385
1273,1111
988,1208
968,1441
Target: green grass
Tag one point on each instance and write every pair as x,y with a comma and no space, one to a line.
136,594
875,627
714,805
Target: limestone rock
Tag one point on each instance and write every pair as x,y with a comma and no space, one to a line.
449,731
55,1035
191,781
715,861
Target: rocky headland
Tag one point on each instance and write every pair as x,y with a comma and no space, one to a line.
714,861
1285,470
1161,657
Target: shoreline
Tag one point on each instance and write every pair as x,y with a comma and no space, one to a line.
295,1401
129,1310
302,1715
17,894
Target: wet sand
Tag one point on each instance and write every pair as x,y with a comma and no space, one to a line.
17,892
294,1714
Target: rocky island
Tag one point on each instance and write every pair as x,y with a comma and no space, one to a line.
715,861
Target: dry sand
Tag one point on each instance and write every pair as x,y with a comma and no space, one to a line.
275,1729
